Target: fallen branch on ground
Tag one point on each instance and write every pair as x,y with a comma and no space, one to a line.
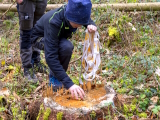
154,6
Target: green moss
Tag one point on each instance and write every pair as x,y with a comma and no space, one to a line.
2,109
38,115
130,114
134,101
1,99
59,115
24,114
122,90
126,110
112,31
17,70
143,115
93,114
133,107
46,114
7,23
15,112
10,14
40,111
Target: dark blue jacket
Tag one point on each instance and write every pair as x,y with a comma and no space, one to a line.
53,26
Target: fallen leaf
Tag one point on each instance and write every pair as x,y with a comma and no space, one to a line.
157,71
115,118
134,117
39,74
104,71
155,99
150,107
158,114
130,24
4,91
139,87
152,116
134,29
16,96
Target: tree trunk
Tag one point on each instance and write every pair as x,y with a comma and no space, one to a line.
155,6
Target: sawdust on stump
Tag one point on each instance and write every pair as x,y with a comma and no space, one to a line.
90,100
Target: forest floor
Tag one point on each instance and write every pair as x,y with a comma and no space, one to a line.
130,63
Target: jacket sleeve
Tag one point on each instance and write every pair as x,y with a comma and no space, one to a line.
51,54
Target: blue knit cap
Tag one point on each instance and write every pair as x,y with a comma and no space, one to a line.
78,11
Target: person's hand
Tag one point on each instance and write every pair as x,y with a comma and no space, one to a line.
19,1
91,28
75,90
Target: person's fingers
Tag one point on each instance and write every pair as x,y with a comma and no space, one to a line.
72,93
19,1
77,91
80,93
88,28
95,28
75,94
92,28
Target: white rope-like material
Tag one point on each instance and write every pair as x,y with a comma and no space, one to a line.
91,55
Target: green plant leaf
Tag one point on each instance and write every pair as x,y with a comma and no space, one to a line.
155,111
142,96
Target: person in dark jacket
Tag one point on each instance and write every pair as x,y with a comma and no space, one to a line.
29,12
51,34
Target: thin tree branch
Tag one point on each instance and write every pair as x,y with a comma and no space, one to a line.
8,9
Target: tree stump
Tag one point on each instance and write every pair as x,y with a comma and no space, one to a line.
98,104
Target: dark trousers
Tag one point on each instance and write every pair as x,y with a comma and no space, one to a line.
65,51
29,12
